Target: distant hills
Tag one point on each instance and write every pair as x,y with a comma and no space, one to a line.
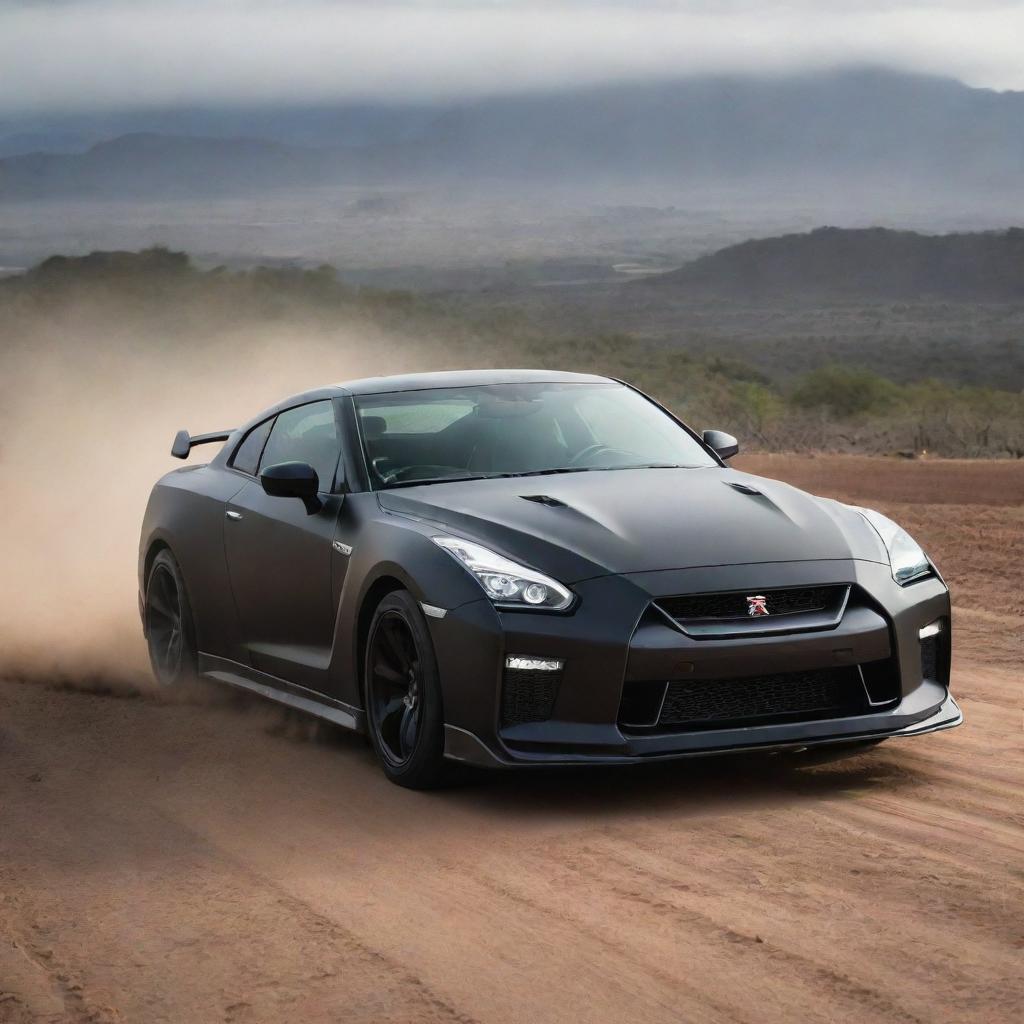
870,123
872,128
874,264
150,165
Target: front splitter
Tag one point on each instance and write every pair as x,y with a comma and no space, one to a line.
462,745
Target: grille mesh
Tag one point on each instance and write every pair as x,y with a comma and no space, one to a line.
528,696
935,655
930,658
694,607
825,693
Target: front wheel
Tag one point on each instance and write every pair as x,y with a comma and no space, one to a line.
403,694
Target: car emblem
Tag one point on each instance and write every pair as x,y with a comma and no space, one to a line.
757,605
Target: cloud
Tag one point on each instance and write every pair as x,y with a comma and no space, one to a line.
81,55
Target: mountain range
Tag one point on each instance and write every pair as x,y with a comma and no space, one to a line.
872,128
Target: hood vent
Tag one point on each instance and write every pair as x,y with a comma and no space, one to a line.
742,488
544,499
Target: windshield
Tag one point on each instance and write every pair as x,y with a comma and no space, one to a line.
463,433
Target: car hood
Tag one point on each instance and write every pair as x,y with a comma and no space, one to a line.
578,525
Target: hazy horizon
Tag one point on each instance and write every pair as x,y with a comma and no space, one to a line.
107,55
479,145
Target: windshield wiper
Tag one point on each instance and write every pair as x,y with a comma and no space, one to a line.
599,469
531,472
443,480
549,472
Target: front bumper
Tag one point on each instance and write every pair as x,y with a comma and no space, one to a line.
612,642
461,745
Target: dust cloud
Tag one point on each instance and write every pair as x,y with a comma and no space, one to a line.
88,410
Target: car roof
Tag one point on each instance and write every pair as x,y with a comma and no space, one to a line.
462,379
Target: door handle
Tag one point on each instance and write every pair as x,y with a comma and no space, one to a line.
232,515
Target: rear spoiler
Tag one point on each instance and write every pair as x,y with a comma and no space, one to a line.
183,443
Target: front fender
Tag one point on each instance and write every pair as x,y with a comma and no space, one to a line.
391,549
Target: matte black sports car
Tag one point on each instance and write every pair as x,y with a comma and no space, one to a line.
516,568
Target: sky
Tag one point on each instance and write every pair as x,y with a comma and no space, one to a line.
74,56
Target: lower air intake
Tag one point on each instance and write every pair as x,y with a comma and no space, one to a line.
528,695
757,700
930,658
935,658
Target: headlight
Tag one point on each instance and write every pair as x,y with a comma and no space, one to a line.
907,559
506,583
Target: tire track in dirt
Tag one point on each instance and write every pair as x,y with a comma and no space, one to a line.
701,1004
747,953
272,956
876,933
34,989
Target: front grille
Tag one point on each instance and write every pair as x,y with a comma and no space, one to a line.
789,601
528,696
720,703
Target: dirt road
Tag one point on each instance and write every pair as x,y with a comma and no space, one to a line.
194,859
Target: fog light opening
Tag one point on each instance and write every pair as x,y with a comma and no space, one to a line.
932,629
528,663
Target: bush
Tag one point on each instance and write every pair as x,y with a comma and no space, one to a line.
844,391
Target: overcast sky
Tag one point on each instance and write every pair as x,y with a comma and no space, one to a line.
74,55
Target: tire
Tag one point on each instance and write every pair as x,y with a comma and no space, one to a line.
170,631
404,709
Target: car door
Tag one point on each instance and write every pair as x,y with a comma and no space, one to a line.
279,557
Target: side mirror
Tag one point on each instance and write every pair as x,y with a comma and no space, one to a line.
723,444
293,480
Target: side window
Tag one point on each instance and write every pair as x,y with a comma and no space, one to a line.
247,455
306,434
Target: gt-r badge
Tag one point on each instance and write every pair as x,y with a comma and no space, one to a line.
757,605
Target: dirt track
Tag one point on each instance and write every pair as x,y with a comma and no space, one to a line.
196,859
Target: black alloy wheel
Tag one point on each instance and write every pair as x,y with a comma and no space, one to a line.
403,696
169,633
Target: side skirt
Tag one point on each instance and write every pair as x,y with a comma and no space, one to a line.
291,695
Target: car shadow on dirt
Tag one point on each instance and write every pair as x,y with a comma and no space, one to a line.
678,786
682,786
339,758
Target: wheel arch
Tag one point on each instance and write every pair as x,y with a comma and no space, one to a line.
391,556
383,585
156,545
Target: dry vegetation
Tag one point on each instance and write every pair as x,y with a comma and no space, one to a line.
158,303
